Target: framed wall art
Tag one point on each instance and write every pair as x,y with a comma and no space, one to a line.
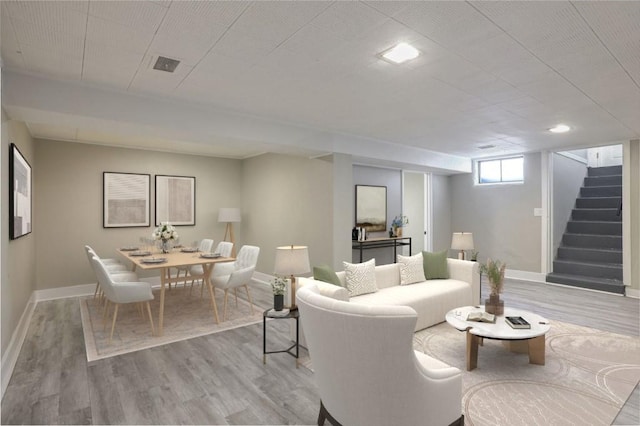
19,194
125,200
175,200
371,207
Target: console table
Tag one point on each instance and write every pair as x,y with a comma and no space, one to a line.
372,243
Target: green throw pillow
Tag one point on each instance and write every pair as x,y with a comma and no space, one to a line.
435,265
326,273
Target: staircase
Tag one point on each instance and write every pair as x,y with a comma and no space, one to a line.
590,254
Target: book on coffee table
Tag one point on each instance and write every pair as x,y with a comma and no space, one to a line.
480,316
517,322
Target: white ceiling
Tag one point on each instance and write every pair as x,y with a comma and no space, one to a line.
304,77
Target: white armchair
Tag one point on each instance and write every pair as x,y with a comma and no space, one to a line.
122,292
366,369
236,274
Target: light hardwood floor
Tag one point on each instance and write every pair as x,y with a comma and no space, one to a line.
220,379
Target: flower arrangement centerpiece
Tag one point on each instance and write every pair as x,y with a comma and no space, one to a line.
494,270
167,234
397,224
279,284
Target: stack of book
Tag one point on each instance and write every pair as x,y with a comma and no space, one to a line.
517,322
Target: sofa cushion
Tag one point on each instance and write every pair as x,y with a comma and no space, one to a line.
435,265
327,274
360,277
411,269
431,299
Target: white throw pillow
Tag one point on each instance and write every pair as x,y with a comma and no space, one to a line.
411,269
360,277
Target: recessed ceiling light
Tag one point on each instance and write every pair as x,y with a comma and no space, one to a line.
400,53
560,128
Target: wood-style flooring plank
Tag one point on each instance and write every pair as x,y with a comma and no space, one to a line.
220,378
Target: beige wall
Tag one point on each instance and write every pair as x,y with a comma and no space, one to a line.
288,200
68,203
18,256
501,216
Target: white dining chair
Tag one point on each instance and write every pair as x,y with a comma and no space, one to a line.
113,266
224,248
120,293
236,274
205,246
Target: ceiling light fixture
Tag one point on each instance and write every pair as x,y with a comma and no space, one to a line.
402,52
560,128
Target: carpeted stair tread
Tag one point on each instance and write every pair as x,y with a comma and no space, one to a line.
602,284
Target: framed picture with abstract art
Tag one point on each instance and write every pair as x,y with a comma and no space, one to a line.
125,200
371,207
20,194
175,200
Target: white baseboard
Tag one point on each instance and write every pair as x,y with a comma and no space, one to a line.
10,356
515,274
262,278
64,292
633,292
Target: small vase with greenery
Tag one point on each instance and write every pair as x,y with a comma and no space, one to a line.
494,270
278,285
397,224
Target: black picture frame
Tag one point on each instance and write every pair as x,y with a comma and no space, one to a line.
175,200
20,194
371,207
126,200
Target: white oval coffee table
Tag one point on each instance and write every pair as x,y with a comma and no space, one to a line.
531,341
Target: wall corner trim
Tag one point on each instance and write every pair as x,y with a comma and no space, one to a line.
10,357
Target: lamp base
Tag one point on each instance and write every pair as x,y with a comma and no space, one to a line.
293,306
461,255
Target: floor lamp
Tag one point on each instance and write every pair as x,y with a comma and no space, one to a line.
291,261
229,215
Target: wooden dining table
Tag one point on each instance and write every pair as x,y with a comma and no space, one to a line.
176,259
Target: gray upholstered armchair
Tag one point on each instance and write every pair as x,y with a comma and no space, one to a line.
366,369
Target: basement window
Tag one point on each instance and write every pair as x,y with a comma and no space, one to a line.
503,170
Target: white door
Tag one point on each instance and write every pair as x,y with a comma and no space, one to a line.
415,205
605,156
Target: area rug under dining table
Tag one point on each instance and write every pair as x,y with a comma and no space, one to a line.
186,315
587,377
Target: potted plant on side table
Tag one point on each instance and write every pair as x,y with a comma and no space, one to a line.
495,273
278,285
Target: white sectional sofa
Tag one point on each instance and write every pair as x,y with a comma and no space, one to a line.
431,299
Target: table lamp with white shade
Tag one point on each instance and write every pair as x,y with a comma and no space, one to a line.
291,261
229,215
462,241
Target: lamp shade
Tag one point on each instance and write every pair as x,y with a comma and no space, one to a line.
229,214
292,260
462,241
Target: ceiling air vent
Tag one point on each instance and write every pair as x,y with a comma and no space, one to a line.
166,64
486,146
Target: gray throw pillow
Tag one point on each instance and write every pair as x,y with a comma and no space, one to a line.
435,265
